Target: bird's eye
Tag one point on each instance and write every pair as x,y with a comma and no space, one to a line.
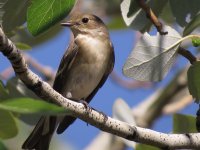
85,20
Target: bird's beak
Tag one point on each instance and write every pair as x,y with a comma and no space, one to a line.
68,24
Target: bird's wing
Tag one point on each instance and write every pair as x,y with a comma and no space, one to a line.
64,66
68,120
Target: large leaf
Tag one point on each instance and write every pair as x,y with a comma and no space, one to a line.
135,17
193,75
44,14
184,124
32,106
8,127
182,9
152,56
192,25
15,14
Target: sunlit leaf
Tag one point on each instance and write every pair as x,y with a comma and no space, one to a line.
193,76
8,127
196,42
135,17
192,25
44,14
152,56
184,124
183,10
31,106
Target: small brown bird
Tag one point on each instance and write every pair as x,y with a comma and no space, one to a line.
84,68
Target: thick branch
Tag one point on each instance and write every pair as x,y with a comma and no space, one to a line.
116,127
150,14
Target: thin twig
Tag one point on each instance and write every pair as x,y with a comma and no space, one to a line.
150,14
187,54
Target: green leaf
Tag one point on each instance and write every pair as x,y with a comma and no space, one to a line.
22,46
14,15
183,9
8,127
192,25
196,42
116,23
193,76
184,124
2,146
145,147
3,91
32,106
44,14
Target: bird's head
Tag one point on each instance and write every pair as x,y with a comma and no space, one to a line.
85,24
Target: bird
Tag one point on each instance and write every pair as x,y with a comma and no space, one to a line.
84,68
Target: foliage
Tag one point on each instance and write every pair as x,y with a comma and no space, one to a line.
42,15
8,127
194,81
150,60
184,123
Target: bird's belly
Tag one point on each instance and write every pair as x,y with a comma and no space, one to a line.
83,80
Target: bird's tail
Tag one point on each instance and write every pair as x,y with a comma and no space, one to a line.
41,136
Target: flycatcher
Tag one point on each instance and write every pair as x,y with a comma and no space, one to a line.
83,69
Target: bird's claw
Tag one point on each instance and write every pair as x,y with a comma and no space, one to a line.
86,105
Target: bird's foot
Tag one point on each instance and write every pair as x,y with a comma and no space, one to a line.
86,105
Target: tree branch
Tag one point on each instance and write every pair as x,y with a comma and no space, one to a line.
150,14
187,54
116,127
